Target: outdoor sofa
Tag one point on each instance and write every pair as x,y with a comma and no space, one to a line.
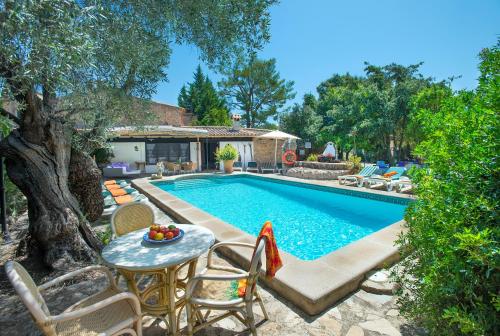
119,169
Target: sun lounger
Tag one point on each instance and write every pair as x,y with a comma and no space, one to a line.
385,181
127,190
252,166
279,167
266,167
238,165
357,179
381,164
404,185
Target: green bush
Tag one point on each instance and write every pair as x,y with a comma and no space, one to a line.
105,235
227,153
14,199
354,163
312,157
103,155
450,272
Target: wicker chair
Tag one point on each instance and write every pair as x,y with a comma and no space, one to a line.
240,307
189,167
109,312
131,217
173,167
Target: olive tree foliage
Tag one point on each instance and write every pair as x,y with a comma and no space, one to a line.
89,65
449,275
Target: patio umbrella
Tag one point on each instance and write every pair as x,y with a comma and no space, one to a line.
277,135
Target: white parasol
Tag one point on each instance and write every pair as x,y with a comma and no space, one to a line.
277,135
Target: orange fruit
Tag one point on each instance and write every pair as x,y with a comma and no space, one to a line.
169,235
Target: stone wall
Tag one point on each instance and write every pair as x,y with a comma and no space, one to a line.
172,115
315,174
318,170
263,150
322,165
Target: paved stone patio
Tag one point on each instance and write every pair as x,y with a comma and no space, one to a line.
361,313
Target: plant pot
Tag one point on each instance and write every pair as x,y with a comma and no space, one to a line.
228,166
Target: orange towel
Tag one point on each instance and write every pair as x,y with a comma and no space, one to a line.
118,192
242,286
273,259
389,174
112,186
109,182
123,199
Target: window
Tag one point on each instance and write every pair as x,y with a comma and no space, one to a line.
171,152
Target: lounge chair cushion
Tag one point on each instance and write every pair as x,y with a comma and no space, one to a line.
118,192
123,199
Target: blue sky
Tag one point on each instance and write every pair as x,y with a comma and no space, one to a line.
313,39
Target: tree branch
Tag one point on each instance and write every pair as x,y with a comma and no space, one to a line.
10,116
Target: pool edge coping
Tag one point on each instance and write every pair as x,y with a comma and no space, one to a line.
311,285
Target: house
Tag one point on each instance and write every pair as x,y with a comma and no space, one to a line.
175,140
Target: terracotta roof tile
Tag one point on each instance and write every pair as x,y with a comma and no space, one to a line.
190,132
228,132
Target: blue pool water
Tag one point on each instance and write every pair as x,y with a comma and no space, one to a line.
308,222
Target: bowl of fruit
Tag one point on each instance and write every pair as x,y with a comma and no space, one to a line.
159,234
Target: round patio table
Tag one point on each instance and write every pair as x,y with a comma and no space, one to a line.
153,271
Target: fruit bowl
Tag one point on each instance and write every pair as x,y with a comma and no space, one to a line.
163,241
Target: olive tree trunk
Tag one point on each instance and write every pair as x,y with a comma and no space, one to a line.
58,229
85,184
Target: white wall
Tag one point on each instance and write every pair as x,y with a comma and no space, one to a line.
245,148
125,152
195,154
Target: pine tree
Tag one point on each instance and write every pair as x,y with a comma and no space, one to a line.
203,100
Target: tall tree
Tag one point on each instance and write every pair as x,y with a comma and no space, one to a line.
375,110
255,87
70,63
302,120
202,99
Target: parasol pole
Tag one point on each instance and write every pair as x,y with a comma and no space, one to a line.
275,151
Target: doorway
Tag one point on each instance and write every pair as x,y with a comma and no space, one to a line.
208,149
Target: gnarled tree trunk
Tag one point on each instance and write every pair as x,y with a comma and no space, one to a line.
84,184
40,170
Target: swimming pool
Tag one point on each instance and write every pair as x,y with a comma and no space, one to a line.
309,222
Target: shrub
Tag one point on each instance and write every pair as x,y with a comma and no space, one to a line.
449,278
103,155
312,157
105,235
227,153
14,199
354,163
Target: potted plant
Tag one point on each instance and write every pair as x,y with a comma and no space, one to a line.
227,154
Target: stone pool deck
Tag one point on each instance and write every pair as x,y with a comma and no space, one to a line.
369,311
315,285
